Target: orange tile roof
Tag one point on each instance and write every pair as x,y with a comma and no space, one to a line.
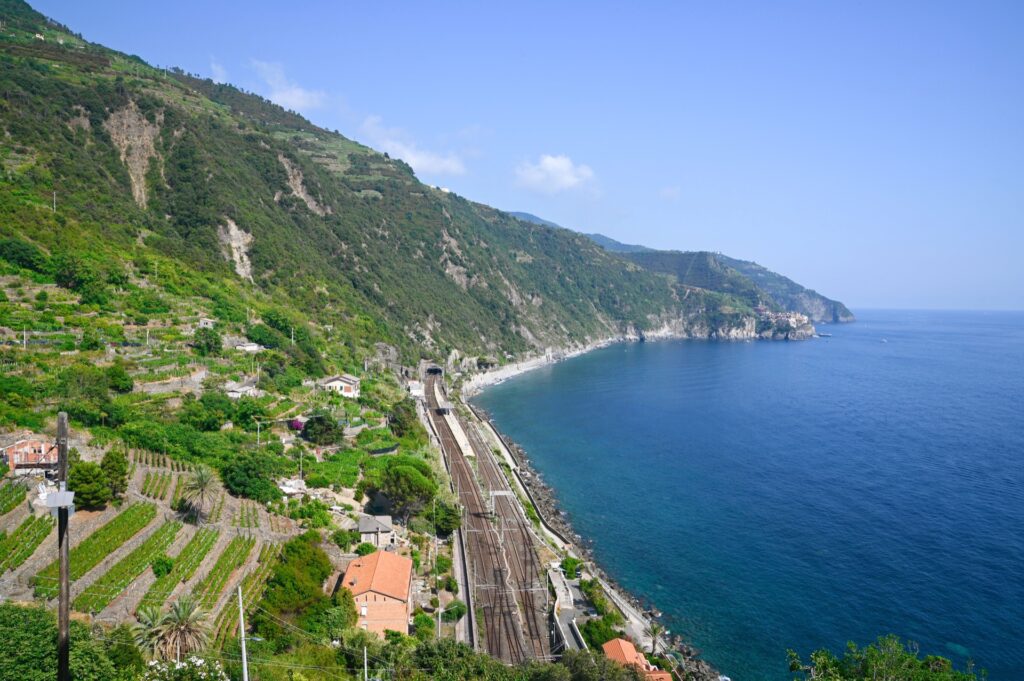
622,651
625,653
382,572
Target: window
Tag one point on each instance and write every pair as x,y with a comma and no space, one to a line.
362,610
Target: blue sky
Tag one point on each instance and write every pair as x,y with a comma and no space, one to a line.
870,150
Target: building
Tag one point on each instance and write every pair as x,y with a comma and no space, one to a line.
377,530
249,347
29,453
381,584
346,385
243,388
625,653
207,323
416,390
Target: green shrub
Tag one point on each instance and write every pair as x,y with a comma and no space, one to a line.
455,611
162,566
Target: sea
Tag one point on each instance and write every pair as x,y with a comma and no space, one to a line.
797,495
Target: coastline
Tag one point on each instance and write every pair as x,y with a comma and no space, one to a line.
475,384
638,613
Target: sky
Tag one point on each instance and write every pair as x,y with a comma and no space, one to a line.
873,151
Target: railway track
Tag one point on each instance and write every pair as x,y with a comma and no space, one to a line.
507,582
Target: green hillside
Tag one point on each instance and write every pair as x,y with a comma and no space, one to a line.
790,295
249,205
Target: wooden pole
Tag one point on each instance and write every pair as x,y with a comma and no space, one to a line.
63,541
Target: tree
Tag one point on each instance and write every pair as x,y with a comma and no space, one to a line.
251,474
207,342
28,647
454,611
446,517
198,490
654,630
886,658
322,429
115,470
403,418
90,485
365,549
183,630
121,649
147,628
118,379
23,254
408,489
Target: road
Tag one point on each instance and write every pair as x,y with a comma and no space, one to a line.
508,588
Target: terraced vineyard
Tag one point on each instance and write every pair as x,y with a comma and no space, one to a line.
11,494
156,485
232,558
99,594
97,546
248,515
253,586
217,509
22,543
185,565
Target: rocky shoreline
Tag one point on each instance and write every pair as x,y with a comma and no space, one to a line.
543,496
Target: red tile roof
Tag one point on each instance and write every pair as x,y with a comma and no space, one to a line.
382,572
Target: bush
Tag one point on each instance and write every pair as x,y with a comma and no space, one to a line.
455,611
87,481
571,567
423,626
207,342
162,566
251,475
345,538
442,565
365,549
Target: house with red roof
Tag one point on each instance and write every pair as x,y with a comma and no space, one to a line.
625,653
381,584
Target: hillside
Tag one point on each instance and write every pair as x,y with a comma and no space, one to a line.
790,295
716,272
249,202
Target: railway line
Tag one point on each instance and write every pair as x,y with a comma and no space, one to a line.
507,582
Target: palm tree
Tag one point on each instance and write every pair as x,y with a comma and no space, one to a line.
198,490
654,630
145,632
183,630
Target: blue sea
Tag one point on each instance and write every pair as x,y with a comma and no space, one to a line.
774,495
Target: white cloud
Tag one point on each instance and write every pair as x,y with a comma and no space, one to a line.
218,73
396,142
553,174
285,92
670,193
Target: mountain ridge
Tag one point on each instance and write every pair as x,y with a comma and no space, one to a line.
778,290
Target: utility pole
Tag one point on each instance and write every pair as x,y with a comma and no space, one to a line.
366,667
54,200
63,504
241,635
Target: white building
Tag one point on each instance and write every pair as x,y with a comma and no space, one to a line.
346,385
249,347
244,388
415,389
